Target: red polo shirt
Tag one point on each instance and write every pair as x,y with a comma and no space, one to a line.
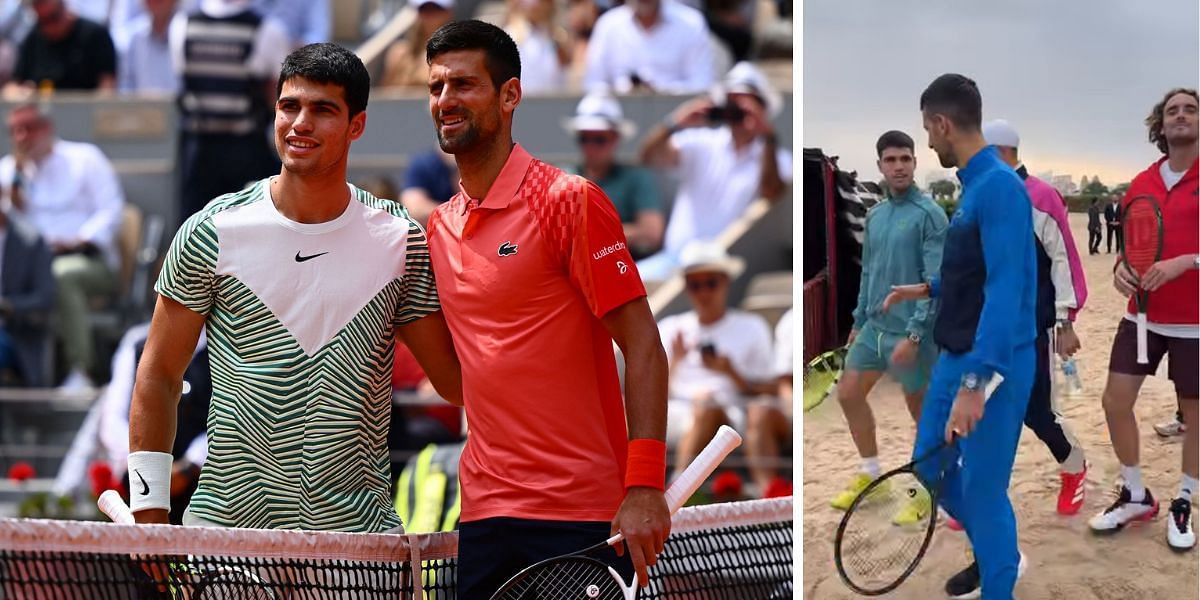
523,279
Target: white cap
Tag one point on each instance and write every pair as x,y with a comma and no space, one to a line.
446,4
1000,133
745,78
599,111
709,257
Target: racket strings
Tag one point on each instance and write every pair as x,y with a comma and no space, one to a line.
821,375
886,531
564,579
1141,234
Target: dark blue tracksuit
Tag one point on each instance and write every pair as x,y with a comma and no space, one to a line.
988,288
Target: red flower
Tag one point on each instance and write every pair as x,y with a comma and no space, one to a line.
20,471
101,476
727,484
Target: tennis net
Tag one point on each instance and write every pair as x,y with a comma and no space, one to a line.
737,550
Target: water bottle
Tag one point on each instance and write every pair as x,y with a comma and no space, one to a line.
1070,371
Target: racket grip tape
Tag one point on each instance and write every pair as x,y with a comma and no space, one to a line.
111,504
693,476
1142,356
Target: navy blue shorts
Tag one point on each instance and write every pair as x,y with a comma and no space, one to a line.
491,551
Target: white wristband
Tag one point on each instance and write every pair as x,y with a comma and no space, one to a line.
149,480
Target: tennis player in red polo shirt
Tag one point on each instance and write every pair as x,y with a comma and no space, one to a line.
536,283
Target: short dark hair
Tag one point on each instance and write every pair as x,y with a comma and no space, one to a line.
501,57
1155,121
957,97
329,64
893,139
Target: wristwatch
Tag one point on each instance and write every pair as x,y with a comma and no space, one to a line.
914,338
971,382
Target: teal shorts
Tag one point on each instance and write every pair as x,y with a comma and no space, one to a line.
872,351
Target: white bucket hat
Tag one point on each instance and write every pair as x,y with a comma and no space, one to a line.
745,78
599,111
709,257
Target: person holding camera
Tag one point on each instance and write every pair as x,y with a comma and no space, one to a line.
724,149
718,357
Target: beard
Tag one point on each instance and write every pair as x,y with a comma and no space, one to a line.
947,159
1178,138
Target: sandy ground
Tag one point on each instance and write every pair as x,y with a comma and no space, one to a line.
1066,562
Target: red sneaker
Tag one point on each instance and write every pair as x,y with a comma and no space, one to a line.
1070,497
779,487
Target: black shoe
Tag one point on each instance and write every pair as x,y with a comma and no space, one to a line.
965,584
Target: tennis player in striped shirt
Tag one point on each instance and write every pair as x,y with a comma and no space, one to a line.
303,281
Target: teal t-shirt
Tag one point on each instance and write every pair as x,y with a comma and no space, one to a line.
631,189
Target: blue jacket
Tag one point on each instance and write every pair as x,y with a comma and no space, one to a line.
988,283
902,244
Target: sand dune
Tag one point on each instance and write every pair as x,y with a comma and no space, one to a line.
1066,562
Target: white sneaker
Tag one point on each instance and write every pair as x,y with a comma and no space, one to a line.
77,381
1124,511
1180,535
1170,429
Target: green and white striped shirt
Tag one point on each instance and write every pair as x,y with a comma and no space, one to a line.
300,322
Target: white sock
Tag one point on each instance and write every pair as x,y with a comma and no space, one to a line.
871,466
1133,481
1074,463
1187,487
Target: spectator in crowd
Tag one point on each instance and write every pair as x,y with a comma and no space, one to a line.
431,179
599,126
404,65
229,55
307,21
1112,218
26,301
656,45
769,420
732,25
544,45
70,193
105,431
718,356
65,52
726,155
380,186
145,56
1094,229
580,21
15,23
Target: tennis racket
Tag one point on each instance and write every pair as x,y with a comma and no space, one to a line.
576,575
821,376
190,579
887,529
1141,247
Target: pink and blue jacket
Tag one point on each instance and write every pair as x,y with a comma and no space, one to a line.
1062,289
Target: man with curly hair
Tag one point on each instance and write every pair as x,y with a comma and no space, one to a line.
1174,320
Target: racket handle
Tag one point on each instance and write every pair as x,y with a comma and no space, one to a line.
702,466
111,504
1142,357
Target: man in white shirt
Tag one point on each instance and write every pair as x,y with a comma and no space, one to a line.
718,356
659,45
70,193
145,57
769,421
724,149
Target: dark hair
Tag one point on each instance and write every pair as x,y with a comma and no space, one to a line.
956,97
327,63
893,139
501,57
1155,121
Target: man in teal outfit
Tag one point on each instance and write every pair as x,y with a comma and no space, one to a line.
902,244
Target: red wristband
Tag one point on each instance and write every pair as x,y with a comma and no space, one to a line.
647,464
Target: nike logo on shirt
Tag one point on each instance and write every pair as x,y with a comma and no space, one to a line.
301,259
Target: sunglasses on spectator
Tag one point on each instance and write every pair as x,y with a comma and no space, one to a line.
708,283
595,139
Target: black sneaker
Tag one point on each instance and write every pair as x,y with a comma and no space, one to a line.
965,584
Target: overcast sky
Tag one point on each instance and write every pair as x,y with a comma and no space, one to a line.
1075,77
